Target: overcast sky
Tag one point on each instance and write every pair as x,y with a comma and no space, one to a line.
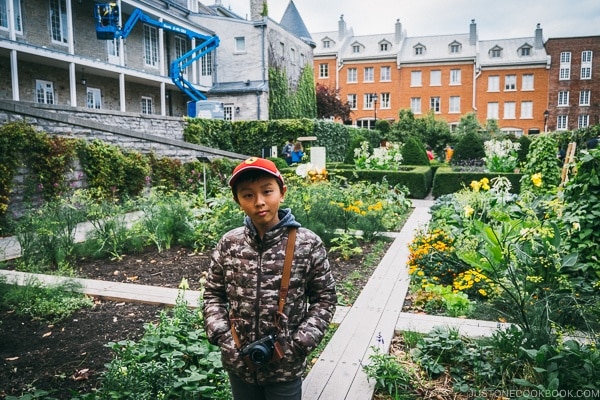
495,19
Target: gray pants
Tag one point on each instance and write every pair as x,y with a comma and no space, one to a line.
241,390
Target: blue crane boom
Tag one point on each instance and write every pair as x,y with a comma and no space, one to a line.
107,20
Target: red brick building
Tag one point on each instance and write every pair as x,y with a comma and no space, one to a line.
513,81
574,82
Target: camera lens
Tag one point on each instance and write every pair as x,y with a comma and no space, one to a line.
260,355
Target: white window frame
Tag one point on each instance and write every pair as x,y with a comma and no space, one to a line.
562,122
493,110
583,121
415,105
44,92
59,28
146,105
206,64
113,49
454,105
563,98
565,66
356,48
151,46
93,98
369,74
181,47
352,75
368,102
324,70
527,82
352,101
416,79
493,83
16,14
586,65
240,44
526,109
384,101
435,77
228,112
584,97
510,110
385,74
455,77
510,83
435,104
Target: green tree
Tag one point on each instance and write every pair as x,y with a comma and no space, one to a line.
413,152
469,149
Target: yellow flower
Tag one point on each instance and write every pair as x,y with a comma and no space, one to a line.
475,185
468,211
536,179
576,226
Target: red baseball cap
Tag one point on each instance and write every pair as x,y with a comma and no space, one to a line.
256,163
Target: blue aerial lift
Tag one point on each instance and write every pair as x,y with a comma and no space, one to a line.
107,20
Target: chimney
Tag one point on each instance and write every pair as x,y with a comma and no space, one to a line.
398,31
341,27
473,33
256,9
539,38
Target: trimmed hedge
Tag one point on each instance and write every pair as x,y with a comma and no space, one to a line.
417,179
447,181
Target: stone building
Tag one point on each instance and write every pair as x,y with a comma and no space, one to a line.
50,54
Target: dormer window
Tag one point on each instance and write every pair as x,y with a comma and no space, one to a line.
384,45
357,47
454,47
327,42
419,49
496,52
525,50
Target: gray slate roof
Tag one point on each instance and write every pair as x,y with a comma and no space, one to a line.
510,52
293,23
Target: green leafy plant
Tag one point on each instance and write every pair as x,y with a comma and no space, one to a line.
541,171
46,234
346,245
167,218
390,376
173,360
380,158
501,155
47,303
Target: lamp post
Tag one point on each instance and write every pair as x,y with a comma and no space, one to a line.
546,114
374,100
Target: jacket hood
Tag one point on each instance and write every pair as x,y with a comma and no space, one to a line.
286,220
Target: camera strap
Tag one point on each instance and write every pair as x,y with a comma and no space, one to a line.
283,289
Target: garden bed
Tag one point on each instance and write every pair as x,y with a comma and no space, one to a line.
69,356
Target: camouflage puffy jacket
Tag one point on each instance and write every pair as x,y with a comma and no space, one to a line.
244,281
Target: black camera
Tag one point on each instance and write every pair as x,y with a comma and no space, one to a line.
262,351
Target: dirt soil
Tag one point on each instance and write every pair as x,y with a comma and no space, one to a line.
67,358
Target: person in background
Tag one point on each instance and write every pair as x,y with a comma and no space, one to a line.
241,294
430,153
449,153
297,153
286,152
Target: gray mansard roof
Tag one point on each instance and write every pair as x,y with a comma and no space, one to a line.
511,52
436,49
293,23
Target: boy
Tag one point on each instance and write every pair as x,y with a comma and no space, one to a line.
241,295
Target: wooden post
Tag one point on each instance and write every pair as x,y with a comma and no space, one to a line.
568,163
